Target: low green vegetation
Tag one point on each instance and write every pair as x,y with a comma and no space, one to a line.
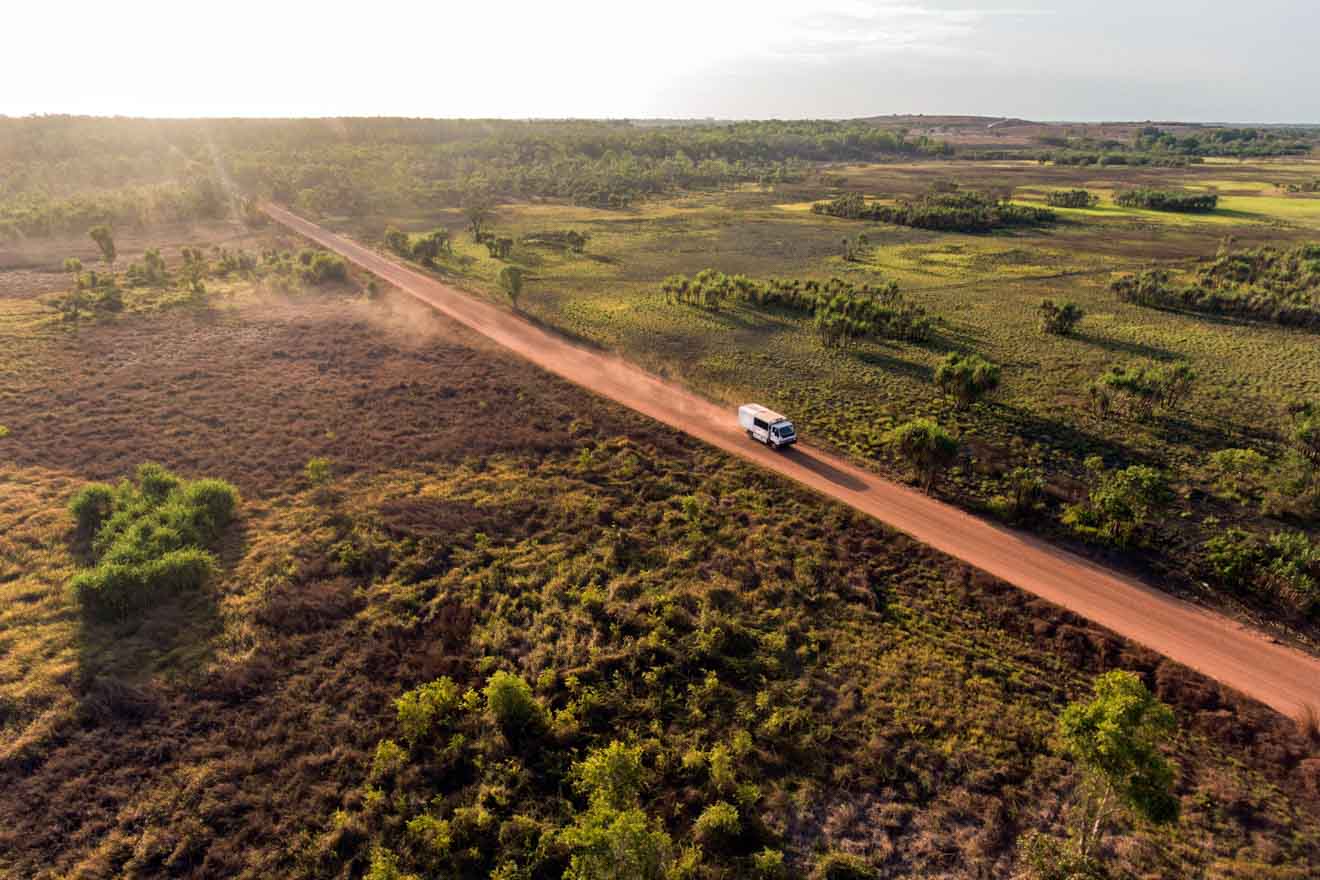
148,538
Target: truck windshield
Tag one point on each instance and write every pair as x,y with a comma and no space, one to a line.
784,430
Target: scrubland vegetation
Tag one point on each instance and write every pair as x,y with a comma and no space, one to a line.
1268,284
465,620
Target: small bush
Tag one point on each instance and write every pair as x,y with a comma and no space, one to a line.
718,824
1233,557
611,776
421,709
431,835
1072,198
148,538
509,699
1059,319
768,864
155,481
388,760
92,506
317,471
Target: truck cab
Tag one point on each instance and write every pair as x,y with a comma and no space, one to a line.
766,426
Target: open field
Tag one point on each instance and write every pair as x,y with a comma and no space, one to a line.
899,706
983,290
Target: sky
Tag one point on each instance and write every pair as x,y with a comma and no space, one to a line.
1189,60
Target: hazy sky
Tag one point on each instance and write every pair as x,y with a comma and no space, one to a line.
1254,61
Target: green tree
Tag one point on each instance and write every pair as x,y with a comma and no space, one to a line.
105,240
1116,739
925,446
478,204
1119,503
967,378
511,279
614,837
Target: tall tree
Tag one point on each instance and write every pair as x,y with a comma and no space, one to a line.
967,378
511,279
1116,739
926,446
105,240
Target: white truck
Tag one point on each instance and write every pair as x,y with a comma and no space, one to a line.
766,426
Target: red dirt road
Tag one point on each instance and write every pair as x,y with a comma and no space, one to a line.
1237,656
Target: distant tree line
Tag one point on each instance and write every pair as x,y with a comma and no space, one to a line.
942,211
148,168
842,313
1268,284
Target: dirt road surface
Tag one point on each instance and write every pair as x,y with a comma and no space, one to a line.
1237,656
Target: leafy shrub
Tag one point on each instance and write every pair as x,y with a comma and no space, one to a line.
388,760
1060,320
768,864
91,507
842,312
924,445
385,866
397,241
509,699
317,471
966,377
1237,471
421,709
321,267
1119,504
148,538
718,824
1234,557
1140,389
612,776
431,835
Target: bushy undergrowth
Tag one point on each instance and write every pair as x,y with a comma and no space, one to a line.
943,211
148,538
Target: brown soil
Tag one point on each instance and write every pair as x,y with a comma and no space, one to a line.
250,394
